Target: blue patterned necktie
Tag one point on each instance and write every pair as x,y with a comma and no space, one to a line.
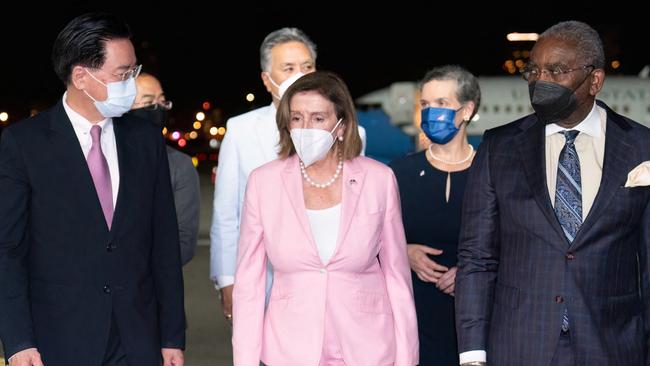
568,196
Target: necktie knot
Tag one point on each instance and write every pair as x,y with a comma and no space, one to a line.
570,136
96,133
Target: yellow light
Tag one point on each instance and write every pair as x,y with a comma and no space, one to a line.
195,161
516,37
197,125
221,131
4,116
213,131
164,131
193,135
519,63
250,97
616,64
200,116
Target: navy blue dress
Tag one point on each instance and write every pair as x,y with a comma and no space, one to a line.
430,220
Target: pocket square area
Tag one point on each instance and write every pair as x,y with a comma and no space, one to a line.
639,176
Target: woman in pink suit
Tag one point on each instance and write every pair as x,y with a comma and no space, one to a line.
329,222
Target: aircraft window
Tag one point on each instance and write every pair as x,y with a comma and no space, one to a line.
508,108
496,109
626,109
649,109
615,108
520,109
485,109
530,109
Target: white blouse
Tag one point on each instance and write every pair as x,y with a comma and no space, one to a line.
325,227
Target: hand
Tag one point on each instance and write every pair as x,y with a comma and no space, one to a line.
26,357
172,357
226,302
426,269
447,282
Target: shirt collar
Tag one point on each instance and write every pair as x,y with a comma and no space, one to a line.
589,126
80,124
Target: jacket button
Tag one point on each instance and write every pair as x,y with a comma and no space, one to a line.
559,299
111,247
323,270
570,256
107,289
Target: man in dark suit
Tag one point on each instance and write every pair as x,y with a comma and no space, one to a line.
152,105
90,271
553,254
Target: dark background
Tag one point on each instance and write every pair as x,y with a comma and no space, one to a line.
209,51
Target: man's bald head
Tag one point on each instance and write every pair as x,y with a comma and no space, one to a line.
149,91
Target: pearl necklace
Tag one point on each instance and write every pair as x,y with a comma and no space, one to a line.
469,156
339,167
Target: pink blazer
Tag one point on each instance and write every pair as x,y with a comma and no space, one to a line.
365,288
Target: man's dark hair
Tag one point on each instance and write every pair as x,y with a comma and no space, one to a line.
83,42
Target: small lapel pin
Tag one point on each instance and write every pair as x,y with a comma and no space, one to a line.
353,181
422,173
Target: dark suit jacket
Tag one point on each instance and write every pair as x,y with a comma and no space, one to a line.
63,274
185,185
517,271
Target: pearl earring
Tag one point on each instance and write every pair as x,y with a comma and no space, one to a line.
340,138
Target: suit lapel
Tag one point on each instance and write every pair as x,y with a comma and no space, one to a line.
532,146
292,183
616,165
127,169
267,134
351,185
67,149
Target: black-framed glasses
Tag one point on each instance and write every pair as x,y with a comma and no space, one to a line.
557,73
166,105
133,73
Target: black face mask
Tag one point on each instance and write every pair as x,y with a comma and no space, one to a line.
552,102
158,116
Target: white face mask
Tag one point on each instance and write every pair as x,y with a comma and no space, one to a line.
121,95
312,144
285,84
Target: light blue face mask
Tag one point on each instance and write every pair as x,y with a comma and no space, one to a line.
121,95
438,124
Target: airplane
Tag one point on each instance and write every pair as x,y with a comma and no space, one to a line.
505,99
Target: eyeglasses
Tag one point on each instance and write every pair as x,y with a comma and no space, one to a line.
133,73
557,73
166,105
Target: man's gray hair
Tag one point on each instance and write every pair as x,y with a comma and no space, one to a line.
281,36
588,43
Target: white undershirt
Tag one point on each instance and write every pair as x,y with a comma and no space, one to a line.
325,227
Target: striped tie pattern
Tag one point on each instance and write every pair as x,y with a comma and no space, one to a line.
568,196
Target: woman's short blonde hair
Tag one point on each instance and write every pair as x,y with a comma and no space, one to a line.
332,88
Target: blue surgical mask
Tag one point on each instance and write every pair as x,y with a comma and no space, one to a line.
438,124
121,95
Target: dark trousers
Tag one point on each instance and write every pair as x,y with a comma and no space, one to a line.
564,355
115,355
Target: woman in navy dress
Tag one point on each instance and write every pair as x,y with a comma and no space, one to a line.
432,185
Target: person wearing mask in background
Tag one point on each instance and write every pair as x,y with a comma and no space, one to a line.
554,253
152,105
329,222
432,185
90,269
252,140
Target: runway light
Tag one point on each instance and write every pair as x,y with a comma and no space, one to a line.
517,37
616,64
221,131
214,143
182,142
197,125
195,161
200,116
213,131
250,97
206,105
164,131
176,135
4,116
193,135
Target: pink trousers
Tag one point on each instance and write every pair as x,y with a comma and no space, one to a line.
331,355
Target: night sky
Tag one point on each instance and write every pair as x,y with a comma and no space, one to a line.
212,53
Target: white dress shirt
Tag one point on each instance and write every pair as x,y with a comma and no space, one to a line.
590,145
325,227
82,127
